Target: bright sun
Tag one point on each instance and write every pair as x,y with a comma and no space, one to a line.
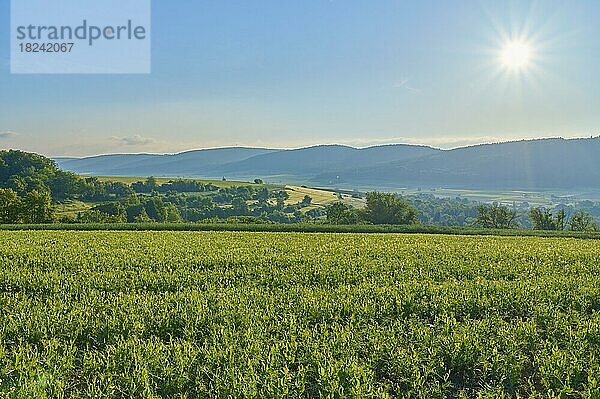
516,55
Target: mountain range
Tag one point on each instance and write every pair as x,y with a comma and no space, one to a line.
544,164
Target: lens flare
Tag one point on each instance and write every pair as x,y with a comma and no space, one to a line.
516,55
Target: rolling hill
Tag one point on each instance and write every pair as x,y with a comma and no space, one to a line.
543,164
195,163
523,165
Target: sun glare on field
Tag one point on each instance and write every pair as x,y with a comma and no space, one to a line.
516,55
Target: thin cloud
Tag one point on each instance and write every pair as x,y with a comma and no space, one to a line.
7,134
134,140
445,142
404,84
438,142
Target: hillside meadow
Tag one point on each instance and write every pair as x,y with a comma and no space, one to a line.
191,314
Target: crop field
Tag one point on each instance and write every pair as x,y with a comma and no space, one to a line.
320,198
189,314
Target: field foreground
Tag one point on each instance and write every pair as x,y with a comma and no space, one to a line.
270,315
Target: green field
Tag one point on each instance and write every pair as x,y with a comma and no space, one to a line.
271,315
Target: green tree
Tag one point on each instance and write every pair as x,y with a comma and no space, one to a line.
280,203
142,217
282,194
173,215
10,206
239,206
133,208
582,221
24,172
64,185
387,208
543,219
262,195
148,186
496,217
306,201
258,181
118,189
37,207
340,213
114,210
151,184
133,199
560,219
156,209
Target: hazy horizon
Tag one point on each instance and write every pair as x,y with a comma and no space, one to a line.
383,144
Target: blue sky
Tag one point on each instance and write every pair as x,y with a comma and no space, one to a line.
301,72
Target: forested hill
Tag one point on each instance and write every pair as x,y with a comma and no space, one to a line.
558,164
523,165
244,163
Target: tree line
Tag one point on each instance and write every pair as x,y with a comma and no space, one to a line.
387,208
31,184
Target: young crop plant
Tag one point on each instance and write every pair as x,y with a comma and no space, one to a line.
191,314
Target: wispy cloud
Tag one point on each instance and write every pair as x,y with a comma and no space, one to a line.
404,84
7,134
135,140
